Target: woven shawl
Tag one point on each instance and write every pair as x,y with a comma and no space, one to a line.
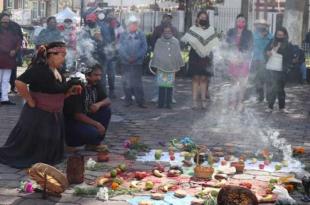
201,40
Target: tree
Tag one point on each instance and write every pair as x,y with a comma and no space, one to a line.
293,18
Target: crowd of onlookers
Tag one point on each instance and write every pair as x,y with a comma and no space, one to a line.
124,47
77,112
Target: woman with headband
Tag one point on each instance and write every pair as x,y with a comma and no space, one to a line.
39,133
240,40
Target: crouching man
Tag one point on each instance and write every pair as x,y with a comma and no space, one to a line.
87,116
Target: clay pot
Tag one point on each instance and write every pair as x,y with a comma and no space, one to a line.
239,167
75,169
103,156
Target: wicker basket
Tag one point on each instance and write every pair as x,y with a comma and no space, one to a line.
50,177
202,171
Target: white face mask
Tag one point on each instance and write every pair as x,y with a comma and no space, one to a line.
101,16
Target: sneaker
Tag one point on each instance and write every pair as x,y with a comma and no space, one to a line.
283,110
204,104
269,110
123,97
7,103
13,92
142,106
195,105
95,148
154,99
174,101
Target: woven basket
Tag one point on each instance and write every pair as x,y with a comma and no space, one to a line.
202,171
56,181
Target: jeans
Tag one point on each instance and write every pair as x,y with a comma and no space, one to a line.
111,72
79,133
275,88
303,71
13,78
132,83
259,78
5,75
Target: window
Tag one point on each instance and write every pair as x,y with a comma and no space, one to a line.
42,9
34,10
9,4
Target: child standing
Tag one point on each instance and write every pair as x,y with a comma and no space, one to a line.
168,60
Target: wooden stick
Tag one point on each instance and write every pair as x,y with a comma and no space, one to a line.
44,194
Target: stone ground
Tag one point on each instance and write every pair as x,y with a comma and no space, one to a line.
247,130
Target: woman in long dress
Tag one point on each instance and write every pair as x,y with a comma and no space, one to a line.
39,133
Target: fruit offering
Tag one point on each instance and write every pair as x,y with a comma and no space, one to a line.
158,154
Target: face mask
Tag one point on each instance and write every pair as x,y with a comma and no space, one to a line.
5,25
261,30
241,24
167,35
280,39
67,25
101,16
51,26
203,22
133,28
91,24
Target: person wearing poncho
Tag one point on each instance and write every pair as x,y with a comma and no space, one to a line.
168,60
202,39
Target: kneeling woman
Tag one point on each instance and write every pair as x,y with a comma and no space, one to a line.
39,133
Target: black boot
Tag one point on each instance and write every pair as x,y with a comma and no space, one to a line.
161,97
169,92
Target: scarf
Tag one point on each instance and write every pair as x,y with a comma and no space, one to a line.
201,40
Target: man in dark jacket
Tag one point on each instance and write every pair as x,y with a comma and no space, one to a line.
19,59
87,116
9,46
50,33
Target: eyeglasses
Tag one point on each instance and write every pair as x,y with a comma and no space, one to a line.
5,22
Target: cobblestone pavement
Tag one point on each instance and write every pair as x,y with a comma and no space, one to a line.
248,129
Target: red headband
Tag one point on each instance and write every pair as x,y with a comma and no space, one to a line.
57,50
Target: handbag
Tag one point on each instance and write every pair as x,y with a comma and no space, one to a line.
275,62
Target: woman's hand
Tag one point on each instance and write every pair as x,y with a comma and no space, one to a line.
31,103
269,53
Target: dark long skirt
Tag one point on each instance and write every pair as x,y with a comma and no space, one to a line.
37,137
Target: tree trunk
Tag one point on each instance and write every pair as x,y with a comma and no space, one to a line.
245,8
306,20
293,18
188,14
